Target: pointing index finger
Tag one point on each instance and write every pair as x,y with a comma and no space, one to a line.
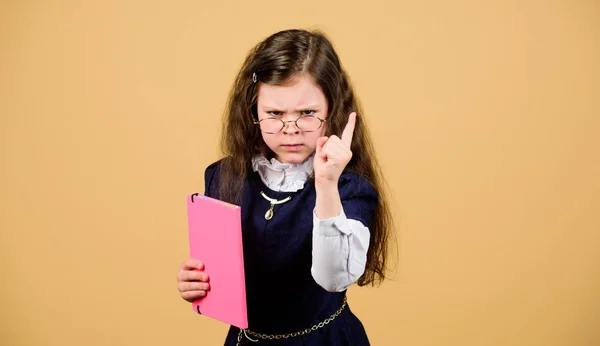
349,130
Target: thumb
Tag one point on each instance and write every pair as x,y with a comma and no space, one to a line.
320,144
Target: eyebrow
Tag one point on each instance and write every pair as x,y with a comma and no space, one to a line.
279,109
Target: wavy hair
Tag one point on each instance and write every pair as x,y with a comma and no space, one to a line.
275,61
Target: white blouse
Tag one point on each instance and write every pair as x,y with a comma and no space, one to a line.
340,245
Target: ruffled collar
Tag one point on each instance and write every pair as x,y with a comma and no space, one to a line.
284,177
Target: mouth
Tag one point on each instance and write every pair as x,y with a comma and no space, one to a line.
292,147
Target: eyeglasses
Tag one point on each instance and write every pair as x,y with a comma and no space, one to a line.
305,123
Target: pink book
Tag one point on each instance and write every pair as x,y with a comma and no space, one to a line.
215,235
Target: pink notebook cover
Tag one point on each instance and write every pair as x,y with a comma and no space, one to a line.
215,236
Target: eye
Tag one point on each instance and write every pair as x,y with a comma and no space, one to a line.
274,113
309,112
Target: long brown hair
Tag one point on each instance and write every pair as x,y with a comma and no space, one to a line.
274,61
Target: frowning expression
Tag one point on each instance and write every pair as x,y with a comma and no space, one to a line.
300,98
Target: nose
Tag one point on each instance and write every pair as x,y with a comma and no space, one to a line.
290,127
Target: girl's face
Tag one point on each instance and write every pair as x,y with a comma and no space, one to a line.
300,97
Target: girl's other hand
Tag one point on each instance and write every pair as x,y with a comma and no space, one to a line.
192,281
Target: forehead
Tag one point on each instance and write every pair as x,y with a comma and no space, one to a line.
299,92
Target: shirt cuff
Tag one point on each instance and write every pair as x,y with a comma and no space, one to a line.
333,226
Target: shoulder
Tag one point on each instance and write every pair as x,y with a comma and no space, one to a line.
354,184
359,197
212,168
211,177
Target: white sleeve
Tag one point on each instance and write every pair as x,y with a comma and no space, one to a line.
339,252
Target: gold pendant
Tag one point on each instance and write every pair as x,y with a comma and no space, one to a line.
270,213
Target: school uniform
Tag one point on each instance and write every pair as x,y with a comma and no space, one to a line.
297,267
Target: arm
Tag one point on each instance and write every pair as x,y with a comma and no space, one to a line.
340,242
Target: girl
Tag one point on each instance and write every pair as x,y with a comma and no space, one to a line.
299,161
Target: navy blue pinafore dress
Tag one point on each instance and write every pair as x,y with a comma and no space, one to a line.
282,296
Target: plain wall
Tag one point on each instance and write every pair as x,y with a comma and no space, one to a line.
485,116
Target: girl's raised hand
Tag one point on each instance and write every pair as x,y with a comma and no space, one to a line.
333,154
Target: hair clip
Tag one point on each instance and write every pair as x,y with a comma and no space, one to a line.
254,78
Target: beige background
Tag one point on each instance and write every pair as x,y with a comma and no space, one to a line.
485,116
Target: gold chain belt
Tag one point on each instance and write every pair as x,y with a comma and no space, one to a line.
290,335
